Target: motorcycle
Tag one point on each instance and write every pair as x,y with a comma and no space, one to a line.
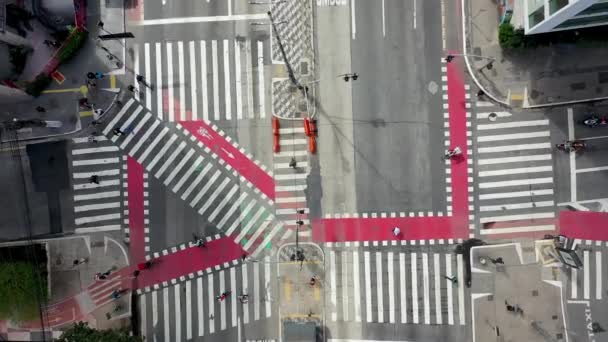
574,145
593,120
449,154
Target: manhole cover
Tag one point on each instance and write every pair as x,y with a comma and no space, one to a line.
492,116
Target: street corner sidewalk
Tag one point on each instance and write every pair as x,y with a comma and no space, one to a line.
530,77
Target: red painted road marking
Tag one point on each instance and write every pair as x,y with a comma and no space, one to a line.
231,155
585,225
135,174
58,77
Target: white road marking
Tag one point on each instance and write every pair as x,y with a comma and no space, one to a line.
515,206
210,19
345,286
205,188
519,159
223,289
227,81
169,160
102,149
368,288
89,230
598,275
513,136
414,277
211,301
148,74
196,181
188,310
231,211
84,220
425,288
379,287
241,217
178,312
204,88
245,291
357,289
95,162
291,176
193,80
586,275
353,25
485,115
449,286
199,297
526,229
414,14
223,203
527,216
516,171
159,81
256,291
573,188
513,124
332,285
166,313
249,66
179,167
391,289
142,312
118,116
229,7
383,20
437,274
97,206
592,169
238,82
102,173
513,148
216,95
516,182
267,282
460,267
154,309
261,89
136,94
170,82
514,194
135,130
213,196
188,173
233,300
403,287
573,283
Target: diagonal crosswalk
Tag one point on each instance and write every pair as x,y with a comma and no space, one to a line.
395,287
204,79
97,207
196,174
586,282
514,171
190,309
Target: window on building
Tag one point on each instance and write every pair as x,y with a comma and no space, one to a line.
585,21
597,8
536,17
556,5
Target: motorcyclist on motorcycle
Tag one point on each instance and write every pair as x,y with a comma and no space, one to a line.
452,152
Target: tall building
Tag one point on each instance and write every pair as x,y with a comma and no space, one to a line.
556,15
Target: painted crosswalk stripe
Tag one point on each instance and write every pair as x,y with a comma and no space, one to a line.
99,195
193,79
216,95
102,149
586,275
170,160
448,283
513,148
118,116
513,136
231,211
98,218
249,67
154,310
573,283
233,302
273,232
437,274
135,130
425,288
205,188
211,301
345,300
332,284
213,196
95,162
403,287
262,228
97,206
144,137
136,93
196,181
100,173
519,159
520,229
527,216
95,186
460,268
391,289
414,277
142,313
368,288
182,81
159,81
204,88
261,91
128,124
515,194
199,301
166,313
516,182
484,104
486,115
356,286
516,171
223,289
261,211
105,228
237,80
513,124
256,291
227,81
245,282
379,287
223,203
161,153
268,285
178,312
515,206
241,217
598,275
152,145
147,74
188,310
170,82
188,173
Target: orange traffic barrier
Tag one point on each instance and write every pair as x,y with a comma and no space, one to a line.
276,147
313,127
275,125
312,144
307,126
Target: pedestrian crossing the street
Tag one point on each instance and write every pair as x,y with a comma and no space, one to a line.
586,282
395,287
189,309
196,174
514,172
204,79
96,176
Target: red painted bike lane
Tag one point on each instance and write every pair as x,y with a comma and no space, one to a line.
584,225
418,228
135,187
232,156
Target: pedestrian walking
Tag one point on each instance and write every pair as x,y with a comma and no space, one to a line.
100,276
117,132
313,280
454,280
396,231
144,265
79,261
293,163
99,75
132,89
84,102
143,81
94,179
497,261
244,298
40,109
129,130
91,84
480,93
91,75
244,257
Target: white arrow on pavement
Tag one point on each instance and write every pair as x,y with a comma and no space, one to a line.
228,153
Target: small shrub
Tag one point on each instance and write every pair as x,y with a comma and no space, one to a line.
72,45
509,37
18,57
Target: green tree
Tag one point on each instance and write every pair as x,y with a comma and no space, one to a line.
509,37
23,291
81,331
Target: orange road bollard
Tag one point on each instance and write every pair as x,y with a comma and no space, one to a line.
312,144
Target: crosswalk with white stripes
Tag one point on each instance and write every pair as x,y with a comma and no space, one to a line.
204,79
586,282
190,309
196,174
514,171
97,207
395,287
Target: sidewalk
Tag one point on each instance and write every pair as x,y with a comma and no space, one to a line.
530,77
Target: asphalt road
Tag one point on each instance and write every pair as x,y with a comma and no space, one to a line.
397,120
